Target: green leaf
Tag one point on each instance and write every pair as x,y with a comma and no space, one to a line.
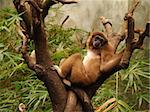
125,105
121,108
2,45
140,101
1,56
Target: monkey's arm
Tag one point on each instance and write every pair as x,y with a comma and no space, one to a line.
121,61
107,67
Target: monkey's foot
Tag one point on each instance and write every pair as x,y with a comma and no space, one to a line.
55,67
61,61
67,82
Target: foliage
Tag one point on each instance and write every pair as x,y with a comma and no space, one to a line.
20,84
133,90
61,43
17,82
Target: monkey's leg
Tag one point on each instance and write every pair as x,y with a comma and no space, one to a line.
61,61
78,73
73,69
66,66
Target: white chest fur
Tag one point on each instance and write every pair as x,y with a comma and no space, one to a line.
90,55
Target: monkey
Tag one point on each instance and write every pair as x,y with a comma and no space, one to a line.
85,71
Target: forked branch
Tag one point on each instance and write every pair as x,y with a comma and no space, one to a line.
121,60
48,3
72,99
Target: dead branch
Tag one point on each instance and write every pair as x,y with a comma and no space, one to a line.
72,99
24,10
64,21
48,3
131,11
68,1
34,4
112,100
71,102
84,98
139,43
121,60
45,6
50,78
24,48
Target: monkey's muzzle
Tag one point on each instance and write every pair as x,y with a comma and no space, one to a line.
98,42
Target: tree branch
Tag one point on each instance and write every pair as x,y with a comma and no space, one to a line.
112,100
71,99
48,3
56,89
64,21
34,4
24,49
24,10
71,102
84,98
68,1
122,61
45,6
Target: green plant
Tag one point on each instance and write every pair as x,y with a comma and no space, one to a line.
19,84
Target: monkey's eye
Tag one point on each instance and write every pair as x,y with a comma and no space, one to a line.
99,38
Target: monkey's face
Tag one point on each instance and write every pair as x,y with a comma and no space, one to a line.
98,41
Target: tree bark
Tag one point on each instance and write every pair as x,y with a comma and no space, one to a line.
66,99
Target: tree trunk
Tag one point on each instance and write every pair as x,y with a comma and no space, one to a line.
66,99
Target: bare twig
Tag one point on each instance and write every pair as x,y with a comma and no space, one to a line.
142,36
48,3
112,100
131,11
64,21
110,107
24,45
68,1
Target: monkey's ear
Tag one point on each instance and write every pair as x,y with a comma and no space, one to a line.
90,33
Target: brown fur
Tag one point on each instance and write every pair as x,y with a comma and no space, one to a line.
85,71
